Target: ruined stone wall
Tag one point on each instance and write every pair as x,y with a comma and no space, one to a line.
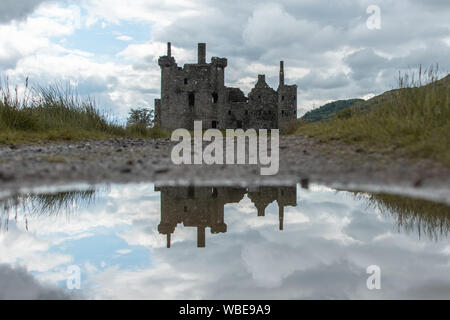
287,196
170,103
195,92
198,92
203,207
233,113
158,112
287,105
263,196
262,105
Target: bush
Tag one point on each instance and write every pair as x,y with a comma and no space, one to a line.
142,117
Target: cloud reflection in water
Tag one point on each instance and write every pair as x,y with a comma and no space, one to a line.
266,242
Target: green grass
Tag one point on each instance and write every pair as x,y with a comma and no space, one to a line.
55,113
426,217
412,121
51,204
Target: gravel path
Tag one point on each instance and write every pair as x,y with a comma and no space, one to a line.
135,160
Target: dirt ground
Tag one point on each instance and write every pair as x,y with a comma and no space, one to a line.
302,160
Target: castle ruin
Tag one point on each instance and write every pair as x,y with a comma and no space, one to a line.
204,206
198,92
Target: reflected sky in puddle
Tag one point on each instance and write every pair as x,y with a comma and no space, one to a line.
225,243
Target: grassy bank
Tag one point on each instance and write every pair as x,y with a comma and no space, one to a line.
413,120
56,113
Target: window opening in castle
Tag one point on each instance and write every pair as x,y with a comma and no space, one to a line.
215,97
191,99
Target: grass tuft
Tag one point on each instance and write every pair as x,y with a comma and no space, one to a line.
57,113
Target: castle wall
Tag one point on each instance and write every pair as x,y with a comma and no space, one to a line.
262,101
198,92
234,113
158,112
287,105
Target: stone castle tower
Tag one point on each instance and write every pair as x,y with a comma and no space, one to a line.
198,92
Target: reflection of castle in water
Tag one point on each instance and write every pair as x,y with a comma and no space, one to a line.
203,207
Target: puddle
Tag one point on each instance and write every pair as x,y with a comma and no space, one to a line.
144,241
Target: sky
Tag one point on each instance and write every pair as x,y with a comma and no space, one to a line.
108,49
328,241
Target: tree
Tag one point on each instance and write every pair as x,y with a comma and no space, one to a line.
142,117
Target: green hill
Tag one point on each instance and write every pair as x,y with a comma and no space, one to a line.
329,110
412,121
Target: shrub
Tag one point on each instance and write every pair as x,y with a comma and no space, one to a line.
142,117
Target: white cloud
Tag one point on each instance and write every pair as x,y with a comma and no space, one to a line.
160,13
318,40
124,38
29,250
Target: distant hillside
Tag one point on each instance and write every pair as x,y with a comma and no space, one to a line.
411,121
388,96
329,110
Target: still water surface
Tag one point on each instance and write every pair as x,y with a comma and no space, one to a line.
141,241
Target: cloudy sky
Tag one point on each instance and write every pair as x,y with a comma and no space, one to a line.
109,48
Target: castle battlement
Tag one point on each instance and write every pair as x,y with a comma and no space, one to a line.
197,91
